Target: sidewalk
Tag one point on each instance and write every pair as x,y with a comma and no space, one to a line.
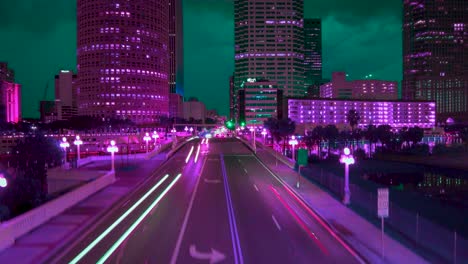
35,246
355,230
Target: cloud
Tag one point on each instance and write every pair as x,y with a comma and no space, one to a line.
36,15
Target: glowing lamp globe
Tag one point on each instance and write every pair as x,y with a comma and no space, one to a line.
346,151
3,181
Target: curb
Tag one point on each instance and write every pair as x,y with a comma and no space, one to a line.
359,257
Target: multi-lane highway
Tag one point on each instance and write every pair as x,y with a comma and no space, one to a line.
211,202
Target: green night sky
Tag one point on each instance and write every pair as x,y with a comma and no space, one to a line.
38,38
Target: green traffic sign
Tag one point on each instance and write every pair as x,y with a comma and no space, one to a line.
302,157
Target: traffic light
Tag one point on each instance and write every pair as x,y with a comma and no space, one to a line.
242,123
230,125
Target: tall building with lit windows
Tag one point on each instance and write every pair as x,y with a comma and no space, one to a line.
269,45
313,56
123,59
435,55
176,58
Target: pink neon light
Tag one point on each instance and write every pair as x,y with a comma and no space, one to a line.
316,217
300,222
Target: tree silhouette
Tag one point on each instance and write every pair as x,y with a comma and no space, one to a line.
353,118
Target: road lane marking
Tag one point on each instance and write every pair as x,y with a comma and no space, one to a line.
196,155
190,154
214,256
245,171
211,181
238,258
276,222
127,233
175,254
119,220
255,186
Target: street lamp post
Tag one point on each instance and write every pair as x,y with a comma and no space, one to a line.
347,159
186,129
112,149
77,143
191,130
293,142
155,136
147,138
264,135
252,129
64,144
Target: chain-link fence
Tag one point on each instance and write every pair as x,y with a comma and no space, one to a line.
442,244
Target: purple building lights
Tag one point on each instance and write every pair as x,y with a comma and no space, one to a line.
435,55
123,59
395,113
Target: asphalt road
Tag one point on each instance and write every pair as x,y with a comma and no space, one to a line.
225,207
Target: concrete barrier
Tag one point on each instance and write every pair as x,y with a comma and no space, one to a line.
20,225
289,162
174,150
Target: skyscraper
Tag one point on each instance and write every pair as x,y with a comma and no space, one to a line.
176,58
123,59
435,55
65,95
176,48
313,55
6,74
269,45
10,95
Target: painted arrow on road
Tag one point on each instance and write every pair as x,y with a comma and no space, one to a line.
212,181
214,256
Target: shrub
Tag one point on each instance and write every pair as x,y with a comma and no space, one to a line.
419,150
313,158
440,149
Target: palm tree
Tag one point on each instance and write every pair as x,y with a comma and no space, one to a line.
415,134
318,135
384,134
286,127
331,134
371,135
353,118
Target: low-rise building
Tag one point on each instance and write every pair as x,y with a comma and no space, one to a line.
339,87
398,114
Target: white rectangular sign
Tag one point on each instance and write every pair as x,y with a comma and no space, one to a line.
382,202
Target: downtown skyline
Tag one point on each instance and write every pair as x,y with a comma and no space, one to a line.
363,33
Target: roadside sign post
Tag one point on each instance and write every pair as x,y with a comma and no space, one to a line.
301,161
382,211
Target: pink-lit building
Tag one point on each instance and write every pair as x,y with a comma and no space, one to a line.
339,87
10,102
312,112
123,59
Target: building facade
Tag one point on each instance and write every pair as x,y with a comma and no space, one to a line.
176,48
313,56
194,109
269,44
435,55
66,95
10,102
395,113
176,105
231,99
123,59
341,88
6,74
